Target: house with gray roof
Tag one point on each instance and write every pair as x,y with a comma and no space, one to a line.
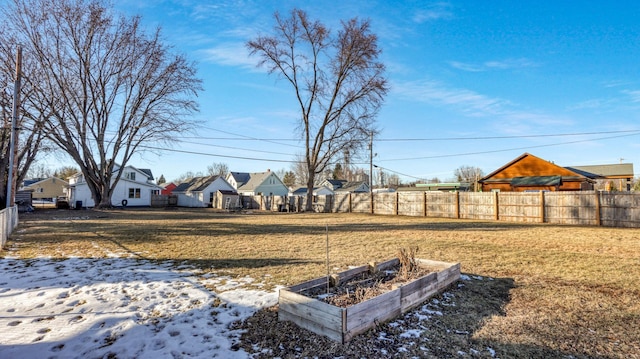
200,192
258,183
342,186
609,176
317,191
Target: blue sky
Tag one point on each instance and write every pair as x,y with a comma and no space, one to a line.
473,83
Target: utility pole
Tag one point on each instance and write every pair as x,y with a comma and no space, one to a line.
371,173
11,188
371,162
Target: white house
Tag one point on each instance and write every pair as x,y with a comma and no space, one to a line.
203,192
135,188
341,186
260,183
317,191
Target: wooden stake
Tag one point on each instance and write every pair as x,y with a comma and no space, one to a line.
328,271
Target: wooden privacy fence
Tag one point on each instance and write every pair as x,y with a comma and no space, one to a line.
611,209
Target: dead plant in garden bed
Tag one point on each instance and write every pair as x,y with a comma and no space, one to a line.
408,263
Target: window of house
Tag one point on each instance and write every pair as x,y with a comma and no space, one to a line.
134,192
155,191
130,176
211,197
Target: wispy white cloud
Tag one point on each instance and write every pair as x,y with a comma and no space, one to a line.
633,95
628,100
467,101
473,104
230,54
437,11
591,104
466,66
616,83
506,64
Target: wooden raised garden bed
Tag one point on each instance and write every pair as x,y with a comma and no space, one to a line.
342,324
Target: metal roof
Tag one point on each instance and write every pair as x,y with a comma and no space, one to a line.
536,181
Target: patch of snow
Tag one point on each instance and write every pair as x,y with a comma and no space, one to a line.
464,277
492,352
120,307
411,333
433,312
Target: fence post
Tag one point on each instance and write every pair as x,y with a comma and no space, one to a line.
541,206
598,207
457,205
496,206
397,203
424,203
350,203
371,195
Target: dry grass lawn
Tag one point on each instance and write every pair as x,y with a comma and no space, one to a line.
571,291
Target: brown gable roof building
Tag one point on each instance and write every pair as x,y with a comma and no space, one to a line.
530,173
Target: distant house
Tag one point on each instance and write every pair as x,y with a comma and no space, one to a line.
46,189
259,183
317,191
444,186
135,188
440,187
203,192
612,177
342,186
333,184
167,188
530,173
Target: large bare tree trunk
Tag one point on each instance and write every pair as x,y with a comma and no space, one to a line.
338,83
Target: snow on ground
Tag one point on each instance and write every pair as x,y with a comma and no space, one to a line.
119,307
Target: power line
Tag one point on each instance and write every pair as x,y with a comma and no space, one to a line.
504,137
234,148
245,137
398,173
249,138
215,155
508,149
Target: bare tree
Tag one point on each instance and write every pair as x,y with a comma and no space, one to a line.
469,174
65,172
339,83
30,133
220,169
187,176
104,86
300,171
